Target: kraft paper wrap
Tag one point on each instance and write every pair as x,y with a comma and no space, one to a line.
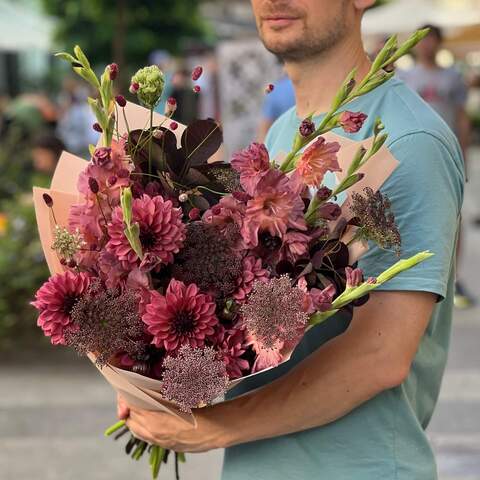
138,390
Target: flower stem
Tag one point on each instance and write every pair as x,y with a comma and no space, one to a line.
112,429
150,141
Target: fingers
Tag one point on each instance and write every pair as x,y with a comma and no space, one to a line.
140,432
122,408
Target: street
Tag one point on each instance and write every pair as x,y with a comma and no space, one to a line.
53,411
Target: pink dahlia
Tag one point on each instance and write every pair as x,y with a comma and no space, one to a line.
316,160
161,233
274,209
182,316
232,348
252,271
55,300
251,163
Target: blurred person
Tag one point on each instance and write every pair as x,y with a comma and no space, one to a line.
46,151
187,100
445,90
75,125
354,400
277,102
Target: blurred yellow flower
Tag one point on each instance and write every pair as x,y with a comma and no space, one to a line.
3,224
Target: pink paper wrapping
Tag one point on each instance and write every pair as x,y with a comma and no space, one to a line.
136,389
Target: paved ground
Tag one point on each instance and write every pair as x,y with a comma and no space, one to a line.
53,410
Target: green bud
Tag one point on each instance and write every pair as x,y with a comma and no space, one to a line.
384,54
66,56
408,45
82,58
357,160
344,91
378,127
126,204
379,79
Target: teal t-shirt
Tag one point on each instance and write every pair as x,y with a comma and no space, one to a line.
383,439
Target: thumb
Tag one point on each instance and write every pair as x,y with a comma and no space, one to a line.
122,408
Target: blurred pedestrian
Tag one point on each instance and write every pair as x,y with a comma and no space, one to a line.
277,102
46,151
445,90
75,125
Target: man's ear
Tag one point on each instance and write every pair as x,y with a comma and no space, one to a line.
363,4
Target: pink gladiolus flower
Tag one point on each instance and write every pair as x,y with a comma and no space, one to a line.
352,122
274,209
55,300
316,160
184,316
252,163
161,233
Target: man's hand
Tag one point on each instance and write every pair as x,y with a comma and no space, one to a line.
170,432
374,354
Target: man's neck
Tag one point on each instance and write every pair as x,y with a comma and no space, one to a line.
316,80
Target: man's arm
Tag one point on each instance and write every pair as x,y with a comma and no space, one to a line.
373,355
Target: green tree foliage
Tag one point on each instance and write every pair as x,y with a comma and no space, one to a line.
126,31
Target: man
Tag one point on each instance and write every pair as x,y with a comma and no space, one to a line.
354,401
446,92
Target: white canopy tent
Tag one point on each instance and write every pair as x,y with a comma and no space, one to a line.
404,16
23,28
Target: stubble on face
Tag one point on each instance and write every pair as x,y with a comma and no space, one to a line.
296,31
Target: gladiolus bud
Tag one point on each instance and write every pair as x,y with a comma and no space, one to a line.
323,194
329,211
307,127
352,122
113,71
197,73
96,126
120,99
354,277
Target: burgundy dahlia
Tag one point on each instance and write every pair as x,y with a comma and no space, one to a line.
55,300
194,377
161,232
182,316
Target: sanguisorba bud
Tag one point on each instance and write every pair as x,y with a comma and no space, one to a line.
134,87
112,180
113,71
170,106
197,73
93,184
269,88
120,99
97,127
307,127
173,125
48,200
196,89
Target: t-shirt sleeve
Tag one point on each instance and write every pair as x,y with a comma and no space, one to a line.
269,108
426,193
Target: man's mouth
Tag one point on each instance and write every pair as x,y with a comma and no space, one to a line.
279,20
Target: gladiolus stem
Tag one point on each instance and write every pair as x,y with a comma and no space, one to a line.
115,427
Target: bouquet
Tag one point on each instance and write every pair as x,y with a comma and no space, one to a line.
179,277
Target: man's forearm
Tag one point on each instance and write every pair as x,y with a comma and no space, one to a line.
327,385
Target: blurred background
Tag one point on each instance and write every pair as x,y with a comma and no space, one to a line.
54,406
